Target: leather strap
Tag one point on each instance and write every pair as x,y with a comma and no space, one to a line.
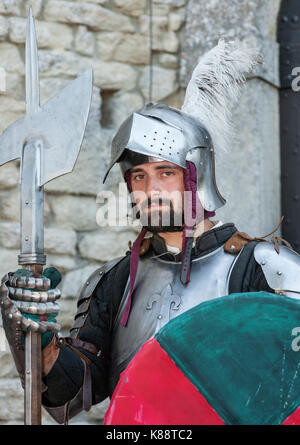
90,347
87,379
50,355
82,344
237,242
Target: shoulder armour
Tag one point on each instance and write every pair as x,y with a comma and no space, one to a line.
281,270
84,299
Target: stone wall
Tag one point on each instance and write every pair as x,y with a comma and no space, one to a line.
112,37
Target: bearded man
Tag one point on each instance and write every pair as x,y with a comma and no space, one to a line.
167,160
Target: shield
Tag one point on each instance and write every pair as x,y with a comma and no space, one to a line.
234,360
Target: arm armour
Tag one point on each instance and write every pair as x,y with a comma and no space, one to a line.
79,376
247,275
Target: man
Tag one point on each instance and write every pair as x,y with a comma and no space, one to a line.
167,159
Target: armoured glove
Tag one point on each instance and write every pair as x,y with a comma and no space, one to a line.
28,302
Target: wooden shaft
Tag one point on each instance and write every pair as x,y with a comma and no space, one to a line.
33,370
33,379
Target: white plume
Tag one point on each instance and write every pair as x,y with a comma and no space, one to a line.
215,87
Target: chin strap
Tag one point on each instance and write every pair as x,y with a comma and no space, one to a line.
194,214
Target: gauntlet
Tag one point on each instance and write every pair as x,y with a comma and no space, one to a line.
29,302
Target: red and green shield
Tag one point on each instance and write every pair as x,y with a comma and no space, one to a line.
233,360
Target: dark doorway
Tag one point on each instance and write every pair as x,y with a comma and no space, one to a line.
289,39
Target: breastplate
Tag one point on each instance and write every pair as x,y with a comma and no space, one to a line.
160,296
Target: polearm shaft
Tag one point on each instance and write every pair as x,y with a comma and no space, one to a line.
32,257
33,384
32,227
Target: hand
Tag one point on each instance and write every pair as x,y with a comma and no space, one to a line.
29,301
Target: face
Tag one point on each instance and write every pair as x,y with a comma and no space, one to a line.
158,190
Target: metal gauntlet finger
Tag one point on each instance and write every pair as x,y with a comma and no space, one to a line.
12,312
34,296
30,282
36,308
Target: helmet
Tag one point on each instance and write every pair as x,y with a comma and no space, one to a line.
159,132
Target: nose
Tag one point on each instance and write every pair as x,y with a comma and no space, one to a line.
153,186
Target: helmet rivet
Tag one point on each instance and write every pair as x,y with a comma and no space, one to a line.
232,246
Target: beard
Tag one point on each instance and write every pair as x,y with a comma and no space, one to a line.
160,220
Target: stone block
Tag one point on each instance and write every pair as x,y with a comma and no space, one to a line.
164,83
36,7
11,60
121,105
168,61
114,75
133,49
104,245
106,43
172,3
9,205
74,212
8,7
60,241
163,39
10,235
89,14
97,2
60,63
64,263
133,8
8,261
84,41
14,88
67,311
11,400
7,365
3,28
9,175
49,34
176,19
57,241
107,75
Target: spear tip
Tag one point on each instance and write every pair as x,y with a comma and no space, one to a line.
32,68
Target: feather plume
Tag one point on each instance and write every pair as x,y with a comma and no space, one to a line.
215,87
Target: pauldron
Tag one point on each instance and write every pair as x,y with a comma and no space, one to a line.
281,269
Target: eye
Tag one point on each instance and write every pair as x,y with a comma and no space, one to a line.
168,173
138,177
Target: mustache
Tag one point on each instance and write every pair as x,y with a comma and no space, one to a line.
159,200
148,202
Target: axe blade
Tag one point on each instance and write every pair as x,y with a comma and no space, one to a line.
60,123
63,121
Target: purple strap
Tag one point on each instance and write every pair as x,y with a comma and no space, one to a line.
194,213
134,261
